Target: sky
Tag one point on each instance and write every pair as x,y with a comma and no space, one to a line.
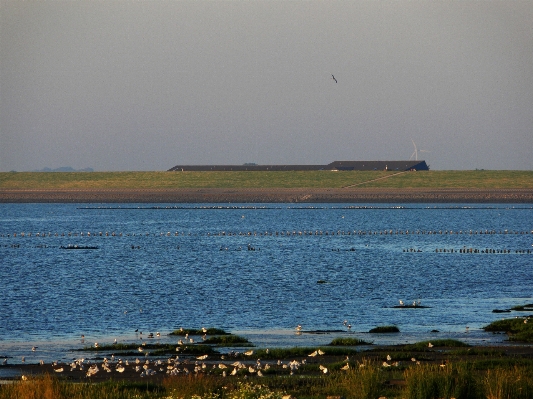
147,85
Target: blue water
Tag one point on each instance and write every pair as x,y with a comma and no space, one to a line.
254,270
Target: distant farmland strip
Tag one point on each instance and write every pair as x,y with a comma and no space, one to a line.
265,180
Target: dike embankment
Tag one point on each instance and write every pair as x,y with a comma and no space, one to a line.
270,195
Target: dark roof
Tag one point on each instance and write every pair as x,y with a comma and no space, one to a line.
337,165
379,165
247,167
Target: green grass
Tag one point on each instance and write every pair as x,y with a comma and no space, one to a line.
293,179
193,331
515,328
348,342
437,343
153,349
479,352
296,352
228,340
385,329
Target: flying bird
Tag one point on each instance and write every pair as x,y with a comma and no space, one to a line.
333,77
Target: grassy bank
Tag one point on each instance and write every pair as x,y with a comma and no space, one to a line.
307,179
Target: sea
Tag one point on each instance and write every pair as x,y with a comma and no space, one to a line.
76,274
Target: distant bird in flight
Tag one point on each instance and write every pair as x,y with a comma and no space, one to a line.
333,77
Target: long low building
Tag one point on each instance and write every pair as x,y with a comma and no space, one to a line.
337,165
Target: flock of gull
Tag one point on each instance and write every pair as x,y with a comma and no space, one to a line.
293,233
224,365
186,365
272,233
174,365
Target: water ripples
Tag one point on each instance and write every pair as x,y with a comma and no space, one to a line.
257,268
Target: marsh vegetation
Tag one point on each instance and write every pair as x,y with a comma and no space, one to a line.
442,368
518,329
367,378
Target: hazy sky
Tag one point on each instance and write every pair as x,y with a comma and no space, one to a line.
146,85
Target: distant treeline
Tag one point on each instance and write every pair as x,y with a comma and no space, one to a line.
64,169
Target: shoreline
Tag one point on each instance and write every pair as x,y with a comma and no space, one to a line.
270,195
188,363
67,352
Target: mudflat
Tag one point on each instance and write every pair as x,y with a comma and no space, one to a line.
269,195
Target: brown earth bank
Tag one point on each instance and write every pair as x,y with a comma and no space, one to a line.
269,195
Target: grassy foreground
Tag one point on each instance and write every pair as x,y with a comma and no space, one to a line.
441,368
365,380
479,179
